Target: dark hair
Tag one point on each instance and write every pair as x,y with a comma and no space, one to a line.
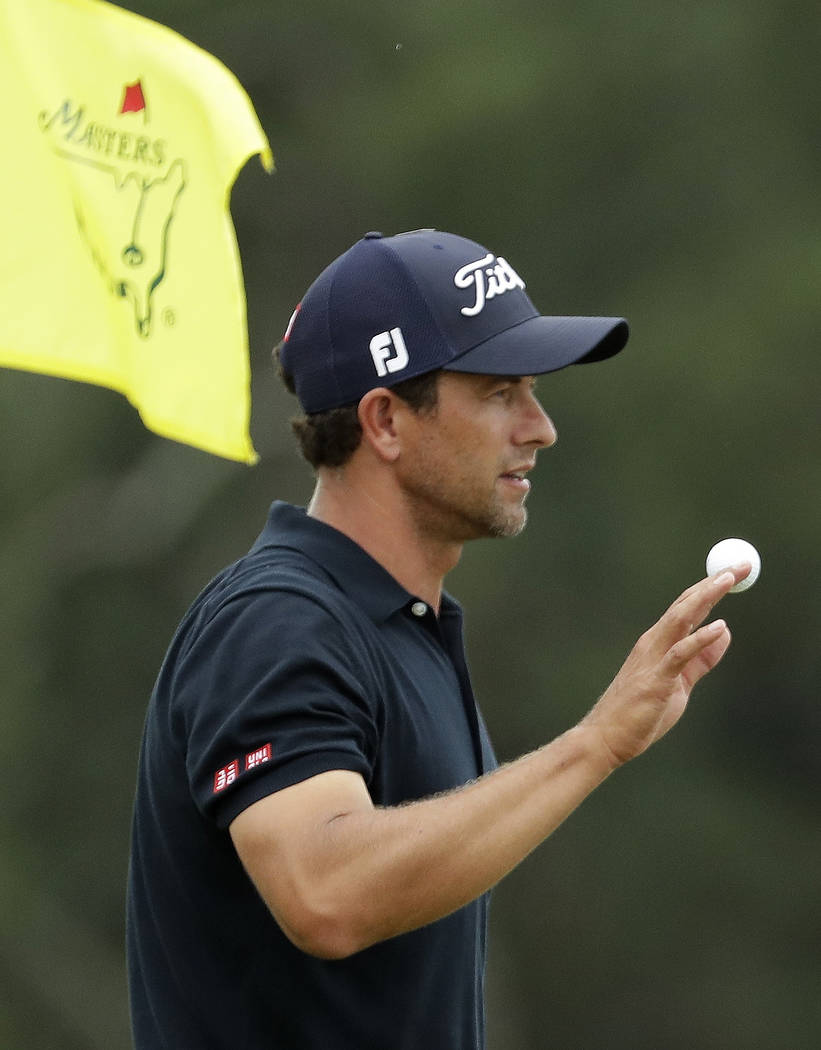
330,438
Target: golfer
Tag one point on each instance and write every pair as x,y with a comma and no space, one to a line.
319,815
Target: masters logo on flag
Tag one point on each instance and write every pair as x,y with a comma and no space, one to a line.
120,265
143,186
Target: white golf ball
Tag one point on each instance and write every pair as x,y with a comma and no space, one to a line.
727,553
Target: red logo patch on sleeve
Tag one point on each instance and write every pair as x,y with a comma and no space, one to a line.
225,776
256,758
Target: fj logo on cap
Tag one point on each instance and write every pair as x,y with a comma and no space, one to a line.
490,276
389,352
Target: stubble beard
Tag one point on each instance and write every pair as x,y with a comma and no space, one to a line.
456,511
506,527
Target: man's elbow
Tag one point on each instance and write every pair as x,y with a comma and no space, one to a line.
323,932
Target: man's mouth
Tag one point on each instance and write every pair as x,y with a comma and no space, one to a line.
517,479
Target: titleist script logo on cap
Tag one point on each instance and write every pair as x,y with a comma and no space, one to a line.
489,279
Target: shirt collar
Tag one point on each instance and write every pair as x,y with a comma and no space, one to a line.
359,575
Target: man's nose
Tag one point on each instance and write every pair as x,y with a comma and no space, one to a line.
538,428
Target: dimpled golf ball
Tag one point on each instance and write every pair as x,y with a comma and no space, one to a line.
727,553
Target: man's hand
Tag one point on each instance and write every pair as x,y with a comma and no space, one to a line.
650,692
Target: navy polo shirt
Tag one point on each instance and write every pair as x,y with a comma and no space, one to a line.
302,657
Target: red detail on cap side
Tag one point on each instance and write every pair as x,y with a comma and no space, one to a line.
256,758
225,776
133,98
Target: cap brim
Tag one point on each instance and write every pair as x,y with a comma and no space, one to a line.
544,344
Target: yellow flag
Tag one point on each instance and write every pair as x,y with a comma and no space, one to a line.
118,258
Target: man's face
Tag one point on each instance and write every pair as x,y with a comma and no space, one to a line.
462,466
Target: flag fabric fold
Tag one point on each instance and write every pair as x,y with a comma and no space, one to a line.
118,258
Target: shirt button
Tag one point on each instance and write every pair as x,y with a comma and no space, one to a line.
419,608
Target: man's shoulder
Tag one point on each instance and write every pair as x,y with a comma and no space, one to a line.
300,575
273,570
273,598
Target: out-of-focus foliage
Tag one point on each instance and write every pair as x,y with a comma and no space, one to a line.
659,161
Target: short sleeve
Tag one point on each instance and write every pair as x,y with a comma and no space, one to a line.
273,689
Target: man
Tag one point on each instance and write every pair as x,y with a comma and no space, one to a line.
319,816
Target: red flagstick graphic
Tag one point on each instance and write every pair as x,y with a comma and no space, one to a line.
133,98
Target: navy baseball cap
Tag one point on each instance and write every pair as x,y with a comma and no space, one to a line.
391,308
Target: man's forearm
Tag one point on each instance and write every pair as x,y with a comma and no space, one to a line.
396,869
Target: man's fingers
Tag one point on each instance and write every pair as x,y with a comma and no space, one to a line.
699,652
738,572
708,658
695,604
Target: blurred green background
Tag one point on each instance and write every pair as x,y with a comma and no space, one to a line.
659,161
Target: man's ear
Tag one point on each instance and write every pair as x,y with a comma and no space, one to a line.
376,412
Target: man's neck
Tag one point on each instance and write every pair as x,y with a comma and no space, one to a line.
373,516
